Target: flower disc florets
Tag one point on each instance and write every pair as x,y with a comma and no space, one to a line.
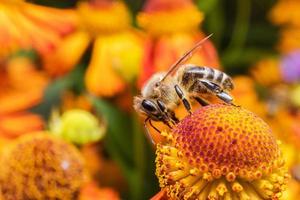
221,151
38,166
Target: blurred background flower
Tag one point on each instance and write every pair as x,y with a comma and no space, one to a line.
173,28
86,59
26,25
18,94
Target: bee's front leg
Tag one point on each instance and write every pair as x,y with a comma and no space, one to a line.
169,116
184,100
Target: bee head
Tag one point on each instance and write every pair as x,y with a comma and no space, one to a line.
148,107
150,89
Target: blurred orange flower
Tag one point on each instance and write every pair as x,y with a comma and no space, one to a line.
92,192
117,52
105,171
245,95
173,28
38,166
289,40
267,72
18,93
71,101
286,12
25,25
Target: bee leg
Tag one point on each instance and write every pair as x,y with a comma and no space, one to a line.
185,102
201,101
169,116
147,131
224,96
175,120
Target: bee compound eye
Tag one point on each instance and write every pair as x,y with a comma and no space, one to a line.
148,105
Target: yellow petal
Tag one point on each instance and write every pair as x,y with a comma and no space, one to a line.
101,79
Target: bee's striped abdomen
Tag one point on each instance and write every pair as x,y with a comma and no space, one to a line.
191,73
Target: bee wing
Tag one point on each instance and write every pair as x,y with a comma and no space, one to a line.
185,56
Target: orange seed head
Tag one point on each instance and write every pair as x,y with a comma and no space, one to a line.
219,151
39,166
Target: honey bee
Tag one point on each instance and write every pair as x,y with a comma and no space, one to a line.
182,83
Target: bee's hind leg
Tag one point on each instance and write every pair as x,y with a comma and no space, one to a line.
201,101
185,102
224,96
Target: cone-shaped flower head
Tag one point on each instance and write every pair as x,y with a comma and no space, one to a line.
38,166
221,152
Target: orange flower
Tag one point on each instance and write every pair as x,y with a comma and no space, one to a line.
103,170
38,166
117,53
25,25
17,124
67,54
286,12
289,40
245,95
173,28
71,101
18,93
221,151
92,192
267,72
155,17
118,50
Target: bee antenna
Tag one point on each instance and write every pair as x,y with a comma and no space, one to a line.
185,56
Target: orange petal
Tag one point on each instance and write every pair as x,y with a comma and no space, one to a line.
92,192
166,5
167,49
19,100
101,79
170,48
67,54
162,195
62,21
12,126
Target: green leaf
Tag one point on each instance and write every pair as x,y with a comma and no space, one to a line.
207,5
118,139
54,91
126,143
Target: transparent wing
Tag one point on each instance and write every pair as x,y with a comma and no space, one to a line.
185,57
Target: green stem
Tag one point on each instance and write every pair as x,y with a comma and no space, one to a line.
240,31
139,159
